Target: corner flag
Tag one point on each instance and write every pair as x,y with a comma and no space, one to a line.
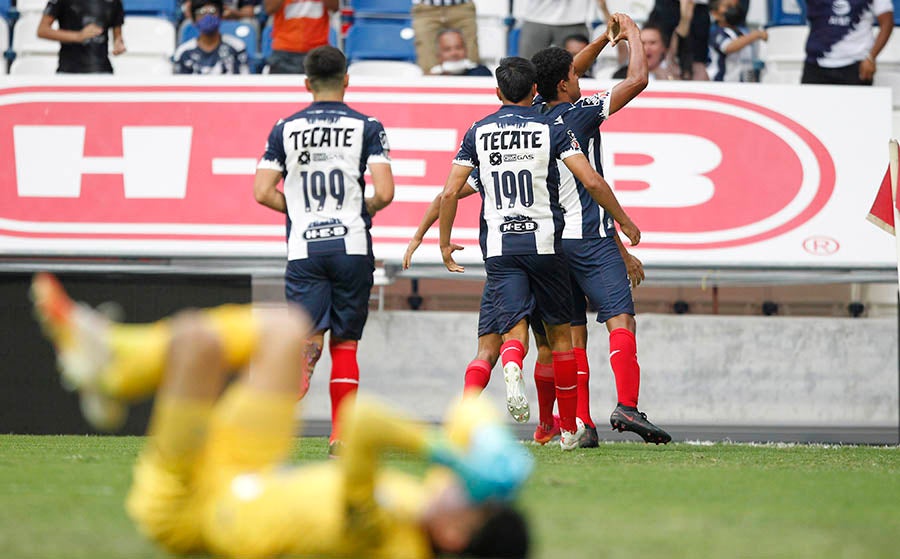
885,211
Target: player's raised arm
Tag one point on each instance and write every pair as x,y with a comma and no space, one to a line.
449,201
383,185
600,191
638,76
431,215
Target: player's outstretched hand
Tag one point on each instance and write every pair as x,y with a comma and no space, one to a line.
635,269
632,232
410,249
447,254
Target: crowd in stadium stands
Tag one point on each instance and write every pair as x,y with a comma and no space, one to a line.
816,41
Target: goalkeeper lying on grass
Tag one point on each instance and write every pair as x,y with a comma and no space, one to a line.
212,477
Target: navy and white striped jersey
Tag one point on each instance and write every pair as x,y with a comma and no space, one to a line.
322,153
585,218
840,31
727,67
515,151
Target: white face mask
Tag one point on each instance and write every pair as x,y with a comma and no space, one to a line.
456,66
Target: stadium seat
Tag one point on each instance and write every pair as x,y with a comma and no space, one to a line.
34,65
126,65
29,6
492,40
380,40
381,8
148,35
4,9
25,39
758,13
168,9
492,8
382,68
787,12
784,53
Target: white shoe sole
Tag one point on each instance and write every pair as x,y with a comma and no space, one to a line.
516,401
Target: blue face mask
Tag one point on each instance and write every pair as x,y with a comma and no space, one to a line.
208,24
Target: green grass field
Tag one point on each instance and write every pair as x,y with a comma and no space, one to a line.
62,497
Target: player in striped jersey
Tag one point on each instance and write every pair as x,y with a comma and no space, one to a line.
322,153
515,150
599,263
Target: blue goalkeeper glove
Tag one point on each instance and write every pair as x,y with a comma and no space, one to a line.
494,467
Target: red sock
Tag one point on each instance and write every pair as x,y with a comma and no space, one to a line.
566,374
344,381
478,374
546,391
512,351
584,376
624,363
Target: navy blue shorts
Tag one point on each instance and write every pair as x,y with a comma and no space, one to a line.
523,282
487,317
598,269
334,289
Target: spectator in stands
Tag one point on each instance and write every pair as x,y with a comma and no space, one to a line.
840,48
211,52
453,58
431,17
83,33
687,23
731,46
549,22
573,44
298,27
659,64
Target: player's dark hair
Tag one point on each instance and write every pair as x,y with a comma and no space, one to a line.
654,24
552,64
504,535
515,78
580,37
325,67
197,4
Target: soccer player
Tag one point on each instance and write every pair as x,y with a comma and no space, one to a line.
321,153
478,371
212,477
515,150
599,264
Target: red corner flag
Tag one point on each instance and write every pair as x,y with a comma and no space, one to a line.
882,212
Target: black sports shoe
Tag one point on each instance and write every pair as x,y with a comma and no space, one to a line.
589,439
627,418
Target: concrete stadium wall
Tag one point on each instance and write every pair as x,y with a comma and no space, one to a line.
696,370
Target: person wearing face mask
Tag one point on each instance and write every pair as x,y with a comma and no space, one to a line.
453,57
730,47
83,33
211,52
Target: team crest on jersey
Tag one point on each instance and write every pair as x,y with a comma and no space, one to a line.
495,158
303,158
325,230
518,225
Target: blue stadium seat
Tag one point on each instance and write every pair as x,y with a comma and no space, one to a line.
242,30
168,9
4,9
896,12
513,48
380,40
781,12
376,8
